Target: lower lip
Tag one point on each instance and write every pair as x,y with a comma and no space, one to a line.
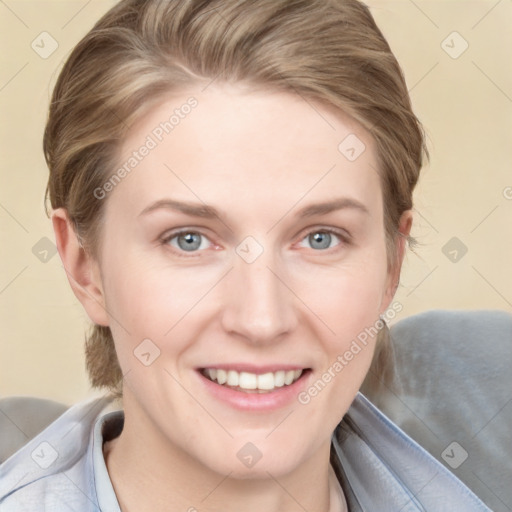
268,401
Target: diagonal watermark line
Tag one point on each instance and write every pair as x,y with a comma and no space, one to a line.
286,491
424,13
199,403
17,483
488,215
216,487
373,168
487,423
97,302
194,305
486,14
316,110
211,81
426,220
76,14
196,195
280,423
300,199
95,407
424,76
14,76
489,283
81,490
301,301
2,2
492,81
222,17
125,374
13,218
508,508
126,382
122,121
14,423
12,280
429,274
414,495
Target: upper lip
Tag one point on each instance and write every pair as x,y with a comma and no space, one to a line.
251,368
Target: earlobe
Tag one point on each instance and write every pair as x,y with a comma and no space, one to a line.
404,230
81,268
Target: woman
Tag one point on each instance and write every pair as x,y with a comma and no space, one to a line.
231,189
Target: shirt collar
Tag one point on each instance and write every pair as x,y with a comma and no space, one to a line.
378,466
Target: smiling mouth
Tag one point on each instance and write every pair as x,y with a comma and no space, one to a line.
253,383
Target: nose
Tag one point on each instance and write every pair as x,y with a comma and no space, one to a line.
258,305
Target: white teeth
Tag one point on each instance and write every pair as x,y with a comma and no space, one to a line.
221,376
266,381
288,377
245,380
279,379
248,380
232,378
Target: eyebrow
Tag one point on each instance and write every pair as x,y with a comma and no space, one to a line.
340,203
194,209
209,212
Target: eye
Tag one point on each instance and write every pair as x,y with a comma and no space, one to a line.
188,241
322,239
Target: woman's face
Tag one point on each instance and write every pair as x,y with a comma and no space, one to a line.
245,243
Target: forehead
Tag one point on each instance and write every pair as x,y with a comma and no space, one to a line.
261,147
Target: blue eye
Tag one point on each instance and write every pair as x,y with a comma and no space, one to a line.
322,239
189,241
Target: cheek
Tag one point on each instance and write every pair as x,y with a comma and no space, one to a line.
148,301
349,306
347,297
352,312
348,301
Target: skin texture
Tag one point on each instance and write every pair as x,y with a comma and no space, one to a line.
258,158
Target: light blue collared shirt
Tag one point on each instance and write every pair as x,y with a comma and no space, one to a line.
379,467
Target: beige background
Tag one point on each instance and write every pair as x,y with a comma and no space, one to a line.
465,104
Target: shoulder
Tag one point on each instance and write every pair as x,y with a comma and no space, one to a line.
452,394
387,470
53,470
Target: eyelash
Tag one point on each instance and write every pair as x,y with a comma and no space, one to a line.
165,241
344,237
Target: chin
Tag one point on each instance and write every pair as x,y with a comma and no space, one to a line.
260,471
243,460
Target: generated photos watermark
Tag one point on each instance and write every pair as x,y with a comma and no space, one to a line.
357,345
157,135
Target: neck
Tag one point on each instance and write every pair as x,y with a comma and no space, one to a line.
149,477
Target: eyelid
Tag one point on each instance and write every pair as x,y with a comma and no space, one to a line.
342,233
169,235
344,236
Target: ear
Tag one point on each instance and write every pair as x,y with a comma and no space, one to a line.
404,229
81,268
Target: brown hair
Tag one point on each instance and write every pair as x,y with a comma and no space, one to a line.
328,51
